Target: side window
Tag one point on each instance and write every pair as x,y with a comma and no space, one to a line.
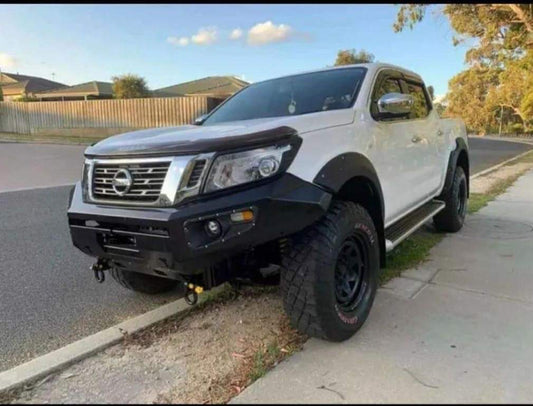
421,107
384,86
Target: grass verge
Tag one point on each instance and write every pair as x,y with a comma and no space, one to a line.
479,200
416,248
49,139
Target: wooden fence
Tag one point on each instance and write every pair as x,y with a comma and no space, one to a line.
93,115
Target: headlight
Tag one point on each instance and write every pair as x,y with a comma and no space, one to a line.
85,179
243,167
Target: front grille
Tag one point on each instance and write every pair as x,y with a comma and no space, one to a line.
147,181
196,173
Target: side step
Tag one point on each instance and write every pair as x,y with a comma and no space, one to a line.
403,228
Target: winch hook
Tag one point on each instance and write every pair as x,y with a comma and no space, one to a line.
191,297
192,292
98,268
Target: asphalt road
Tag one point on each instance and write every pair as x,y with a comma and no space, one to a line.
485,153
48,296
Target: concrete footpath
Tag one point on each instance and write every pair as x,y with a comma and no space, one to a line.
457,329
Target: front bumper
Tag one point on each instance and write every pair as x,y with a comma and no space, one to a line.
173,241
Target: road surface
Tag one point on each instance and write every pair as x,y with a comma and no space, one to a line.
48,296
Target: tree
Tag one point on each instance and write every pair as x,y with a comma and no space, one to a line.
129,86
467,98
515,91
1,94
349,57
502,48
501,31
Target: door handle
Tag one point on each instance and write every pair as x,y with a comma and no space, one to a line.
439,133
416,139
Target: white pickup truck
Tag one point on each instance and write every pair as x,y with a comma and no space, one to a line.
320,173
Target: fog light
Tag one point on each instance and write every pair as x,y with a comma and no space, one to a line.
213,228
246,215
267,166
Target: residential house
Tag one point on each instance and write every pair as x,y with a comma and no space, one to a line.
15,86
214,86
83,91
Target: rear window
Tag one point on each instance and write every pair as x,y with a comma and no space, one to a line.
421,106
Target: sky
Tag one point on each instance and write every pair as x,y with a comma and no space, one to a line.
173,43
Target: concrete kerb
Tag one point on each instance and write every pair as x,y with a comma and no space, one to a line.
63,357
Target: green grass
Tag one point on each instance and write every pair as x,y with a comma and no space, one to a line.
259,369
52,139
409,253
415,249
264,360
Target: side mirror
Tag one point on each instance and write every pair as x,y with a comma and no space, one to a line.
396,104
200,120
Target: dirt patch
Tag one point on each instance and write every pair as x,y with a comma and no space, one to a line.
484,184
206,356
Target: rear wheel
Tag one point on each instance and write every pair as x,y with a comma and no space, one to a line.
329,276
451,219
143,283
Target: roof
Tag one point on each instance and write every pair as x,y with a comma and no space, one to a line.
27,84
374,66
94,88
216,85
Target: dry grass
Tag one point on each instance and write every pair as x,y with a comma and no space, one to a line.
228,341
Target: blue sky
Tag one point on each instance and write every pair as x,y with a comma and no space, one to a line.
169,44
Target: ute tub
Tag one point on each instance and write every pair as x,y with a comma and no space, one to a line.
172,241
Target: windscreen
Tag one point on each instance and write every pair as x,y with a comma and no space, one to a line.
292,95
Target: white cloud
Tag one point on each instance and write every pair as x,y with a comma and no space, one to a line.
205,36
235,34
267,32
7,61
182,42
439,98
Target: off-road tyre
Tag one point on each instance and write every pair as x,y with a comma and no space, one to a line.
312,278
143,283
452,217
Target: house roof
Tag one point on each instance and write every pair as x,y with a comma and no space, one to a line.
216,85
93,88
26,84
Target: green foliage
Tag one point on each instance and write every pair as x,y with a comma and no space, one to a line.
467,98
350,57
501,52
502,31
26,98
409,15
516,128
129,86
409,253
440,108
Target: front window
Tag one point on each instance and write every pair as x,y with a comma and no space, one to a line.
292,95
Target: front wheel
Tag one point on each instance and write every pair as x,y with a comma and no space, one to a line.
143,283
330,275
452,217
